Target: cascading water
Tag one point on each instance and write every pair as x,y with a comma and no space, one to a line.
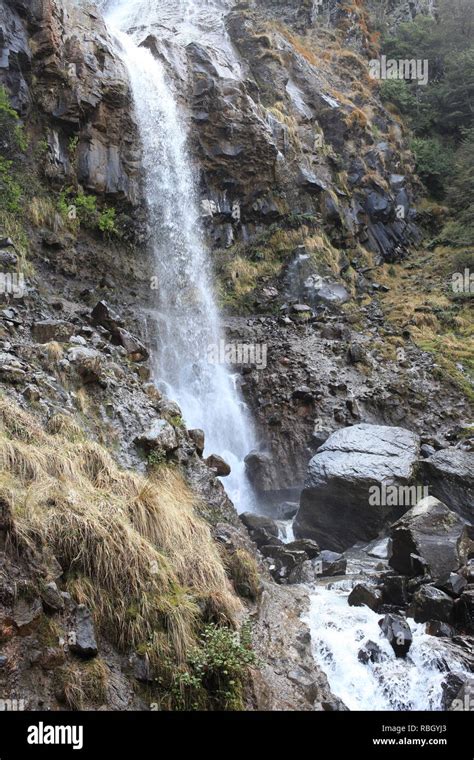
187,319
339,632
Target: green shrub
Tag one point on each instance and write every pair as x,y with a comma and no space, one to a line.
434,164
80,209
216,673
12,144
107,220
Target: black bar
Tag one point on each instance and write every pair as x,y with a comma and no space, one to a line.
314,734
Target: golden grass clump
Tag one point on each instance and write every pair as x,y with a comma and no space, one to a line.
133,549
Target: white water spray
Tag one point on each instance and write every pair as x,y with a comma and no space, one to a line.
186,313
338,633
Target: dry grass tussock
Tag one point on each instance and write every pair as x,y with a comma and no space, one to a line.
131,548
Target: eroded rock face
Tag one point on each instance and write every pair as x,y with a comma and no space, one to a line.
80,89
335,506
427,536
450,474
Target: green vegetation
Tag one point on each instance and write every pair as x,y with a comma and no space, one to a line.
82,209
12,145
440,113
216,671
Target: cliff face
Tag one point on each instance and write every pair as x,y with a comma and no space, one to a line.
63,75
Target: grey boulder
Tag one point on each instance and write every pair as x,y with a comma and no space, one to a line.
430,532
450,476
335,507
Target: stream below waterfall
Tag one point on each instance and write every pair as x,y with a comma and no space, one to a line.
339,632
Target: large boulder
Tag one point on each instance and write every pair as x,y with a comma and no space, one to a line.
335,507
450,476
396,629
160,437
365,596
430,603
428,535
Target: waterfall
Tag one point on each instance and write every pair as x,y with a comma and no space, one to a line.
185,312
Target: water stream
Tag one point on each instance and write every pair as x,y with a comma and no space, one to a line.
186,315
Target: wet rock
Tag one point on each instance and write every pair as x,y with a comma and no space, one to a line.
395,591
52,329
305,572
83,634
310,548
430,531
370,652
464,696
464,610
378,549
161,437
331,294
437,628
259,469
430,603
453,584
450,475
284,560
215,462
102,314
287,510
305,681
330,563
335,508
134,348
367,596
396,629
51,597
262,530
198,438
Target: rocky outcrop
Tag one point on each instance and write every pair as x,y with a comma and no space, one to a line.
80,91
336,506
450,475
288,678
427,539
